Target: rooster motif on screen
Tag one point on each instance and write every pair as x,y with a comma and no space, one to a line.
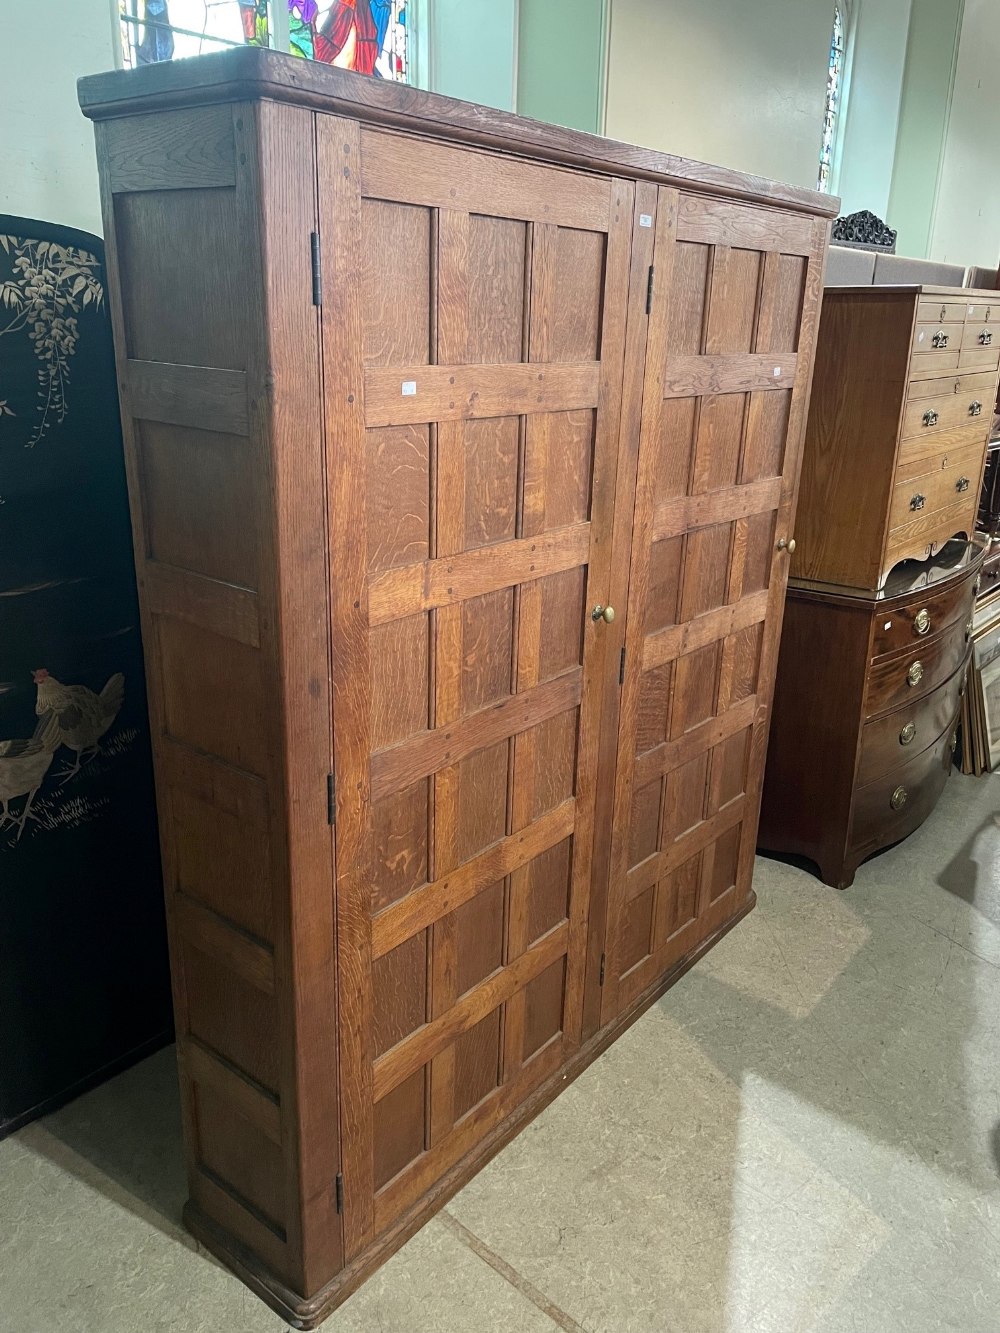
81,717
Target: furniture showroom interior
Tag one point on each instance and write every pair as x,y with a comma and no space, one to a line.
500,666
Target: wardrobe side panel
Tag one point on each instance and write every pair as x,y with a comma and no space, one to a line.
186,245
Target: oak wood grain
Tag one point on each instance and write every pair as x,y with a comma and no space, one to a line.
199,396
461,393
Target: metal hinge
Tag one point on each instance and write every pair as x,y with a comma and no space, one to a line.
340,1193
649,291
317,268
621,667
331,798
600,979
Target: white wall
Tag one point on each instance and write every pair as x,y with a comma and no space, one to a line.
47,164
966,222
740,84
868,146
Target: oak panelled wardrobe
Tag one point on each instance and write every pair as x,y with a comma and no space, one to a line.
463,454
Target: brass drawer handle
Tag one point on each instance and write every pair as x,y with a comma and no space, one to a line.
908,733
898,798
968,630
939,340
962,484
953,743
944,313
918,501
922,621
986,338
930,418
975,408
915,674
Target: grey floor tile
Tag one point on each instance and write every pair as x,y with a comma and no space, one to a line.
802,1136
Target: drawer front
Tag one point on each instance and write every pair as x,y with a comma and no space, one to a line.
915,452
898,802
909,676
889,741
975,357
934,362
904,627
956,475
981,385
947,411
977,334
929,339
983,312
941,312
928,531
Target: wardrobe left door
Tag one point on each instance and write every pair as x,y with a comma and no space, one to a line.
473,340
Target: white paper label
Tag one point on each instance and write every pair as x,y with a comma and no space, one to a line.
777,372
921,336
971,308
888,625
645,219
409,388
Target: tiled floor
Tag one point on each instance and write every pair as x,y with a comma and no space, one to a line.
803,1136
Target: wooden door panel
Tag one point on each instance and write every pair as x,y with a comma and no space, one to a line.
474,484
722,409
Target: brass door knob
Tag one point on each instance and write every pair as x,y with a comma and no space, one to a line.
922,621
786,544
907,734
915,674
898,798
605,613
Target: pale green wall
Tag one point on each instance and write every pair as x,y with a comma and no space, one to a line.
560,61
923,119
471,49
740,84
966,225
868,145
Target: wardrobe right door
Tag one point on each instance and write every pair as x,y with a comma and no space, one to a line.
734,301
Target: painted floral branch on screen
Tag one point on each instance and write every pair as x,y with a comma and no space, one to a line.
51,285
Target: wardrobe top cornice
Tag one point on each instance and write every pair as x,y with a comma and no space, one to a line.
248,74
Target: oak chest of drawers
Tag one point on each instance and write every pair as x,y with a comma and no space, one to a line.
866,703
901,411
874,645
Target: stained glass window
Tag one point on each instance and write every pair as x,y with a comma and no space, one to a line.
834,92
370,36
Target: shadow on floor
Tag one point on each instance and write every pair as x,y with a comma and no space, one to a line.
124,1139
961,875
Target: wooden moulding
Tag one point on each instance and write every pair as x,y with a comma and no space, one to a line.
308,1314
249,74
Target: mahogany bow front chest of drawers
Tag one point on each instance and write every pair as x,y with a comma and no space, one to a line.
873,651
866,704
461,455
